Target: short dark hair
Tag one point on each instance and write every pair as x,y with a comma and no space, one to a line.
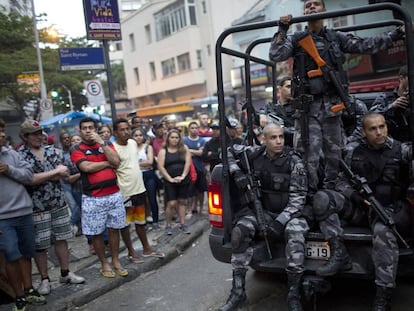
192,123
282,80
322,1
86,120
119,121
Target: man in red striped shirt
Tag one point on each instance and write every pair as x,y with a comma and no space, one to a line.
102,203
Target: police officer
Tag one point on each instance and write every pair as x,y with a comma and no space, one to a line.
383,161
282,176
282,109
323,121
395,108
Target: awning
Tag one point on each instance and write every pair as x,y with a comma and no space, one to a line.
163,109
72,118
373,85
209,100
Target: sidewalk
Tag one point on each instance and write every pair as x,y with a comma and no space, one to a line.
70,296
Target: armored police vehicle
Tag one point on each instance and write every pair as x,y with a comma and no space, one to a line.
223,198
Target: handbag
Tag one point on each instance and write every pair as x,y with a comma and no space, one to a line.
193,173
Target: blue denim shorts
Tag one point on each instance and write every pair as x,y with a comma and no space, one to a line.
17,237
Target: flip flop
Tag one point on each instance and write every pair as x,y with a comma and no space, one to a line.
135,259
121,271
107,273
157,254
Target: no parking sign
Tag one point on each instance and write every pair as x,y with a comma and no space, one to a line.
94,93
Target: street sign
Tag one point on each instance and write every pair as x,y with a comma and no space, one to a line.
81,59
46,109
102,20
94,93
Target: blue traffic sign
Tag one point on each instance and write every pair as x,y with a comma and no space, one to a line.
81,59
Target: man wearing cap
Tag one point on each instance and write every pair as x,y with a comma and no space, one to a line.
50,213
16,224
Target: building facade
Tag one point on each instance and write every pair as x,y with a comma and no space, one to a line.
169,54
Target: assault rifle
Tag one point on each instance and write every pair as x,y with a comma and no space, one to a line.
326,71
254,187
361,184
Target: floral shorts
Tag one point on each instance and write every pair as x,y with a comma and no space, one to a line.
103,212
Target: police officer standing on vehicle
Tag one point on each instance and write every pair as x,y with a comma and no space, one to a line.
322,111
282,176
384,163
283,109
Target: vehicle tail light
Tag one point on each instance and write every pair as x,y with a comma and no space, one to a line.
215,207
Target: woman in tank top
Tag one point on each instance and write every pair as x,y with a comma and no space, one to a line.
174,161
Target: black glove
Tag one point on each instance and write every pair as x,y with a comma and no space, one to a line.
396,34
275,229
357,200
240,179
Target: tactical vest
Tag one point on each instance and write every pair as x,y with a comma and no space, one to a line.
329,49
274,175
386,174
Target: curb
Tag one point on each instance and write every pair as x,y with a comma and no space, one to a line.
69,297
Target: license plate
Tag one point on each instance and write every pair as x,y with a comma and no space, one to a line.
317,250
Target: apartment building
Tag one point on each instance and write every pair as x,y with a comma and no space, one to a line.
21,7
169,53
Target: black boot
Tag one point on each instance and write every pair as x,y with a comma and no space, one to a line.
382,300
339,260
294,285
238,294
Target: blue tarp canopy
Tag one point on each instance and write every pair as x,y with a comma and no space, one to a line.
72,119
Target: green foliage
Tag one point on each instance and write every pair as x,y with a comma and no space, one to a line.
18,55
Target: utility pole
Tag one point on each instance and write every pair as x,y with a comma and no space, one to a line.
69,96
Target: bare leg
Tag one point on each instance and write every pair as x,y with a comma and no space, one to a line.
14,274
114,244
171,205
99,246
41,263
26,271
62,253
142,234
126,237
181,210
200,197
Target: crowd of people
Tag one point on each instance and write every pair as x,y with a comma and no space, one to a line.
95,183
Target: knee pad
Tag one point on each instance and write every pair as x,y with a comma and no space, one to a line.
240,239
321,204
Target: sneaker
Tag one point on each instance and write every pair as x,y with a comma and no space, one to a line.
184,228
33,297
156,226
20,304
72,278
168,230
44,287
150,219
